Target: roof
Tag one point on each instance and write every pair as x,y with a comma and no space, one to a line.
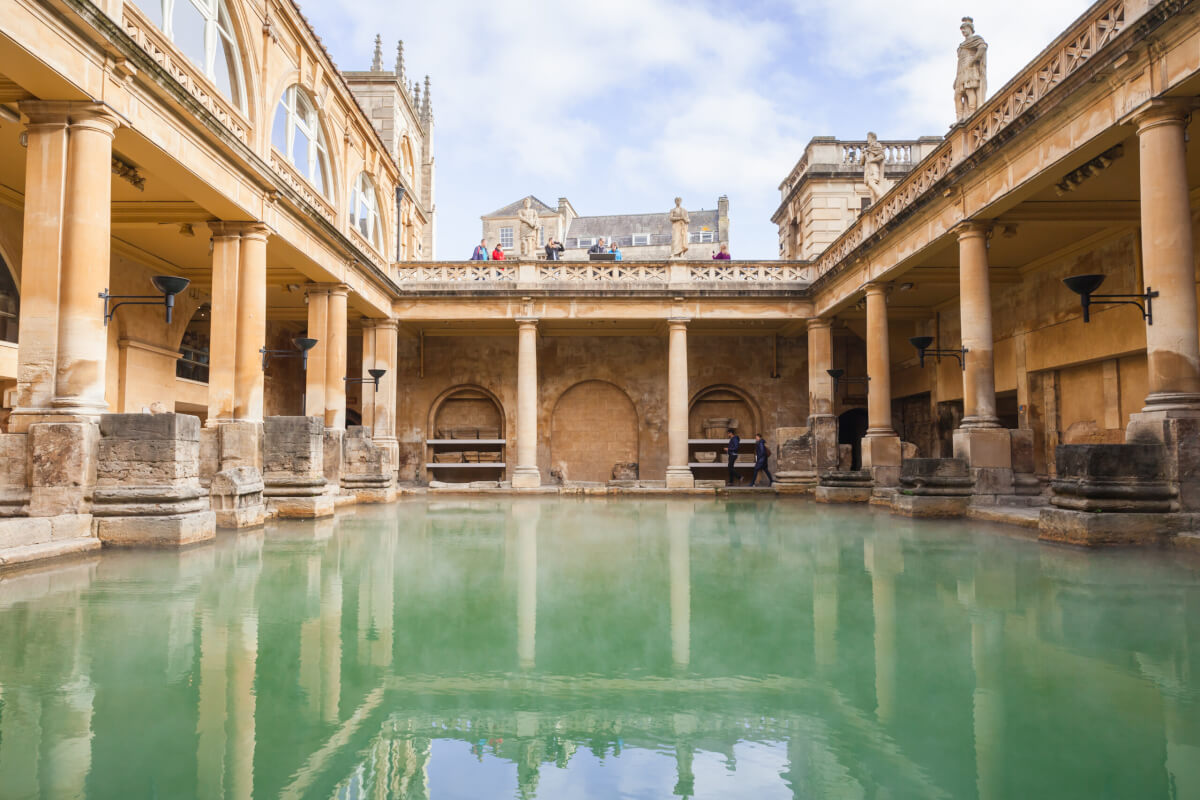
511,209
625,224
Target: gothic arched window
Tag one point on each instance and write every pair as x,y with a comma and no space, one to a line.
297,134
364,209
202,29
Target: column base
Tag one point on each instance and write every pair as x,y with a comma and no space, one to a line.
526,478
1089,529
988,451
680,478
929,507
177,530
842,494
797,482
237,498
881,456
302,507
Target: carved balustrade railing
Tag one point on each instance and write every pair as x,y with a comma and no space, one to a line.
475,272
576,275
1069,52
602,272
751,272
893,152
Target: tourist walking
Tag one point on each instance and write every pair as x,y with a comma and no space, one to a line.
553,250
761,454
497,254
481,251
732,449
723,254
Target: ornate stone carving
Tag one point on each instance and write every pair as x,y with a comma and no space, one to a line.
873,161
679,229
970,85
529,226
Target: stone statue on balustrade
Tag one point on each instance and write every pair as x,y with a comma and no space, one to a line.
970,85
529,227
874,157
679,229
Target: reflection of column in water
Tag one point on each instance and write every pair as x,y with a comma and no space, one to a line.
67,760
527,521
679,520
825,603
987,633
884,562
225,726
685,727
213,695
1182,717
331,646
376,594
244,657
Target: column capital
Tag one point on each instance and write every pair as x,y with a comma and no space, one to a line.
527,322
678,322
392,324
311,289
877,289
973,229
70,112
820,322
225,229
1163,111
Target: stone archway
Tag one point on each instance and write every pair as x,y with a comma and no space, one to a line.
723,402
594,427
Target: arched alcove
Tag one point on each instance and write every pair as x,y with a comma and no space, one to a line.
466,436
723,402
594,427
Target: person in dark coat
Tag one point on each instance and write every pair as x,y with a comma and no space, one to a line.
553,250
761,454
734,443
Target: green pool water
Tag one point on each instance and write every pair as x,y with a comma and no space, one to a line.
603,649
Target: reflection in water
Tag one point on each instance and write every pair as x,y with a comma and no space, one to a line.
548,648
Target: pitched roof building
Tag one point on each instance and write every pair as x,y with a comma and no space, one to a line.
640,236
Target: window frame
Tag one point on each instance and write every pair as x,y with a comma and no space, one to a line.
364,196
645,237
318,154
509,238
218,31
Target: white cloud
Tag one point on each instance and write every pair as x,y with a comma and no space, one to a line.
623,104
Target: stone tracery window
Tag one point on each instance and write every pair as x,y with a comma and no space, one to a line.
297,134
203,30
364,208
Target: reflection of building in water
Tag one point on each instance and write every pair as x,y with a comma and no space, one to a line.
679,521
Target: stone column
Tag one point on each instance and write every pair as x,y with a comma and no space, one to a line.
822,404
41,248
226,254
335,360
975,302
526,475
382,335
980,440
251,323
679,474
86,245
318,322
881,447
1173,341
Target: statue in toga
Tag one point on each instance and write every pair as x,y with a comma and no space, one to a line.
970,85
874,157
679,229
529,227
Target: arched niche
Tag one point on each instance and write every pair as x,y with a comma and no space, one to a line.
593,428
723,401
463,408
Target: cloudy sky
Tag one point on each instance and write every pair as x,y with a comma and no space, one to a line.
620,105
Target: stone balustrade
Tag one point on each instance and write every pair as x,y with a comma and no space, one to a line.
575,275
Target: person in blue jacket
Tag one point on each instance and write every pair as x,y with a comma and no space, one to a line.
761,454
481,252
734,443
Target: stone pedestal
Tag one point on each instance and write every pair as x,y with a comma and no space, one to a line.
148,482
237,498
14,474
881,457
1025,481
1179,434
367,470
989,453
293,467
933,487
332,456
796,463
1111,494
852,486
62,467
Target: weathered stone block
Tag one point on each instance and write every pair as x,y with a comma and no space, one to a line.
930,506
849,486
367,471
984,447
333,457
1092,529
14,474
237,498
62,467
294,467
936,477
1121,478
625,471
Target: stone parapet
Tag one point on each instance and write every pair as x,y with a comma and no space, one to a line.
147,482
367,470
294,467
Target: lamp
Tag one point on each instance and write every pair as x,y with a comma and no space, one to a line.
1086,285
302,344
375,374
167,285
837,374
922,343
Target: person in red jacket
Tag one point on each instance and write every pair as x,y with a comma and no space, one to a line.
497,254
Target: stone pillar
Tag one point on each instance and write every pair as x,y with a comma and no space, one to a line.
379,407
367,471
526,475
679,474
881,447
251,323
222,371
294,467
335,359
980,440
1171,415
1173,341
822,404
41,248
86,245
318,322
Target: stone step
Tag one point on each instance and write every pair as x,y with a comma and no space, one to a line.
26,554
1025,516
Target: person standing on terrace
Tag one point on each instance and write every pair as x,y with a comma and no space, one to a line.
481,251
723,255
